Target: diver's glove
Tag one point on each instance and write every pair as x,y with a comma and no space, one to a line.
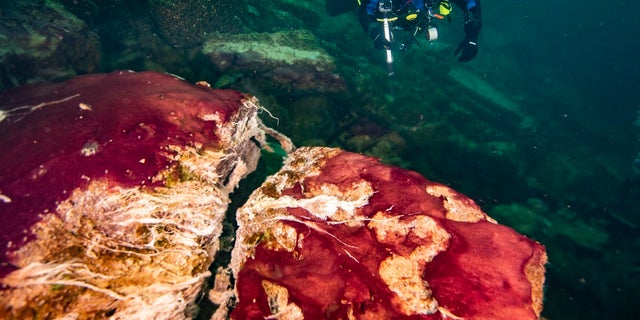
376,32
468,48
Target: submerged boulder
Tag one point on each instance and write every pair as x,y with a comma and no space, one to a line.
339,235
41,41
186,23
113,188
291,61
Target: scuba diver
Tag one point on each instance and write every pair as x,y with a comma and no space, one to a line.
414,16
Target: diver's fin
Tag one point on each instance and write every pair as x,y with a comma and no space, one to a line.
338,7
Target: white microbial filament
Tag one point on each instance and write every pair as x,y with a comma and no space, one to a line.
18,112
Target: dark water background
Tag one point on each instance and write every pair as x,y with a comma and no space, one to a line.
541,129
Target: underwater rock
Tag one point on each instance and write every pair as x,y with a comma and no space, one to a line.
43,42
483,88
501,104
186,23
339,235
291,61
113,188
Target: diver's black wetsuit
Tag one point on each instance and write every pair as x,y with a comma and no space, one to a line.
467,49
